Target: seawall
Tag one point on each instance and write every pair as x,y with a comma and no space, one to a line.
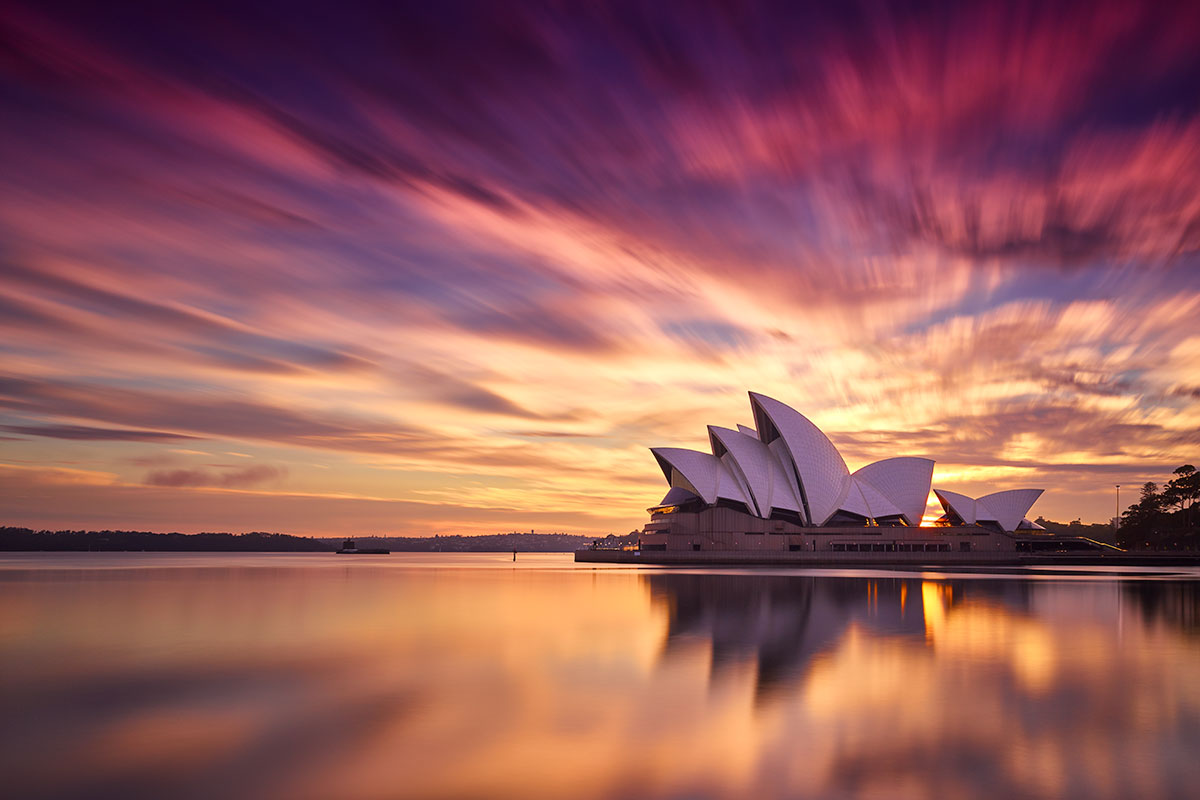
824,558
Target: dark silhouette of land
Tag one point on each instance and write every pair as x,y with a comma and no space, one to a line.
26,539
489,543
1100,531
1163,519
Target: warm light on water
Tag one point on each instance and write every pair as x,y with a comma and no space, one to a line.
314,676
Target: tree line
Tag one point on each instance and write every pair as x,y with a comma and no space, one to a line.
14,539
482,543
1164,518
26,539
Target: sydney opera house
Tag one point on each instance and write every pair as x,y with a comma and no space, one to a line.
783,487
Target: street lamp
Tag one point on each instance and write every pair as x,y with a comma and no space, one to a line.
1117,519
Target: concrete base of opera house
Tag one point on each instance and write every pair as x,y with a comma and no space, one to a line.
868,560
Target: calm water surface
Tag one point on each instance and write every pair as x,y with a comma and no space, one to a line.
321,676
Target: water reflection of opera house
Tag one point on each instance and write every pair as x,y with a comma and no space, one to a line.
988,631
780,623
783,488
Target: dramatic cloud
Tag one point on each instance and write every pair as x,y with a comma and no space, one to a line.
232,479
480,256
87,433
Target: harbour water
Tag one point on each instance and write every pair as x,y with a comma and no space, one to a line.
322,676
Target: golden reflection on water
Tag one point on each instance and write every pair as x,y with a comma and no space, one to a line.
466,676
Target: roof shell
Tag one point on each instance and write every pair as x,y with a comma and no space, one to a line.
880,504
904,481
1007,508
957,503
824,478
702,474
676,495
865,501
760,470
855,503
748,431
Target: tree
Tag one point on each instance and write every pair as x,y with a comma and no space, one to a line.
1163,518
1139,526
1183,491
1133,531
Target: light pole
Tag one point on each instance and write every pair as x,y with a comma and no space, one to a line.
1117,519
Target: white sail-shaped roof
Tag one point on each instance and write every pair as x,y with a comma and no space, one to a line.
854,502
781,457
824,478
759,469
676,495
959,504
1007,508
789,464
865,501
880,504
702,474
904,481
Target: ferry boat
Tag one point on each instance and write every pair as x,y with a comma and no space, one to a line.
349,548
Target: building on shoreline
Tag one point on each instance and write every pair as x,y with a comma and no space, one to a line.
782,486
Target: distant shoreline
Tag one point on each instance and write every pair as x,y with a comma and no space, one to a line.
15,540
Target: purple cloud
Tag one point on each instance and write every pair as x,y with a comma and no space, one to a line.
233,479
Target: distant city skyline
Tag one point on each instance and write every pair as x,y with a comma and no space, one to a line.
455,268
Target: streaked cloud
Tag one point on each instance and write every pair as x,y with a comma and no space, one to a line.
88,433
249,476
481,257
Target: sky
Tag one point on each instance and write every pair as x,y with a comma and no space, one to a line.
407,269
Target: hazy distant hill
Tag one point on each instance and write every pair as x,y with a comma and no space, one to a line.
1097,530
26,539
490,543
